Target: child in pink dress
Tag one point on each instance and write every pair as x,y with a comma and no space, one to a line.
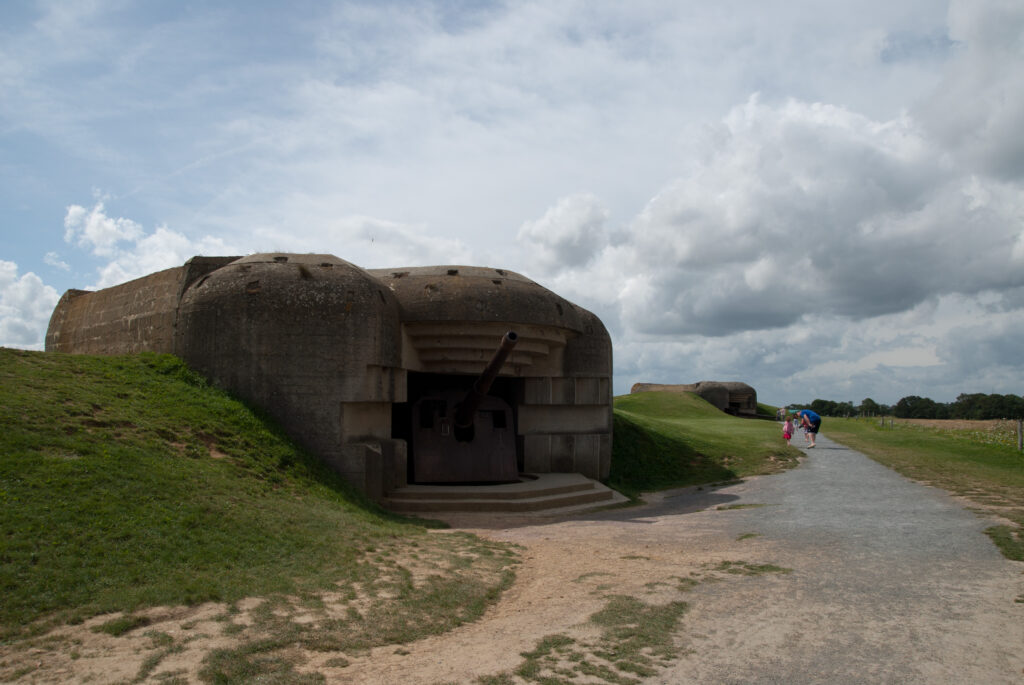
787,429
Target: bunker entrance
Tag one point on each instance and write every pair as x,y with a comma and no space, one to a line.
459,429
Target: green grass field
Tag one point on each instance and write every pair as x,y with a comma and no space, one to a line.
986,468
665,439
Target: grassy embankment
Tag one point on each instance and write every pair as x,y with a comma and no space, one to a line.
127,482
984,467
665,440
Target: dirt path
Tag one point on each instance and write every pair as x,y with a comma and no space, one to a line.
569,570
890,581
839,571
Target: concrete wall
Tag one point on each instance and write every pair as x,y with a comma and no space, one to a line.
326,347
132,317
453,317
315,342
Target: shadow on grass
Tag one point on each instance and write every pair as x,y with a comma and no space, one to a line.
645,460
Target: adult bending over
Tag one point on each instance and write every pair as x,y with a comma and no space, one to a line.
812,422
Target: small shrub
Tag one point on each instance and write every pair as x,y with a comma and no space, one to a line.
121,625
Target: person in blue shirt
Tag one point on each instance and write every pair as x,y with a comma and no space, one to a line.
811,422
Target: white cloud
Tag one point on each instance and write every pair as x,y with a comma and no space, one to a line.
95,231
25,307
569,234
977,110
796,210
53,259
129,252
895,357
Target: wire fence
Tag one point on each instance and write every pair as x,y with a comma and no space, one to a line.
1002,432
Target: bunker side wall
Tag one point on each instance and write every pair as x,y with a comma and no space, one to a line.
132,317
314,343
658,387
566,421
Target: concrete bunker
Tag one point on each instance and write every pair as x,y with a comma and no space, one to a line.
368,368
732,397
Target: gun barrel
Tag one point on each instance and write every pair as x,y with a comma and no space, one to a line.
470,403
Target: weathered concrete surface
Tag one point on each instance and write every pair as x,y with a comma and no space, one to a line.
136,316
454,315
132,317
314,341
339,354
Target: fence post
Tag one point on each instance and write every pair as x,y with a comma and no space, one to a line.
1020,435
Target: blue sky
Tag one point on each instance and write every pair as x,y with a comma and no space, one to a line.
822,199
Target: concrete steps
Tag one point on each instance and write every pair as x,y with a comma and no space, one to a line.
533,493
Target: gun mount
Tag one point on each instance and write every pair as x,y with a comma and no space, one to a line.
471,402
466,437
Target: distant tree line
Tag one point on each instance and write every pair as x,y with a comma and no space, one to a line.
971,406
967,406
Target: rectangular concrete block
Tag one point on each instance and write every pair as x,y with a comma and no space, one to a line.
373,460
563,453
374,467
351,458
537,390
363,420
606,456
537,454
535,419
563,390
131,317
396,458
384,384
589,390
587,456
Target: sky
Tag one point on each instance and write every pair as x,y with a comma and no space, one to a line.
823,199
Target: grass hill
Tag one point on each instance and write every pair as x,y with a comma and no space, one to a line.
128,482
665,439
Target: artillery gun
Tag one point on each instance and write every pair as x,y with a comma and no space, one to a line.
466,437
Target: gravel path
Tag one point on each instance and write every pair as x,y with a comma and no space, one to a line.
893,582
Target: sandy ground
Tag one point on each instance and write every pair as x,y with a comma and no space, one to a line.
855,606
569,568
